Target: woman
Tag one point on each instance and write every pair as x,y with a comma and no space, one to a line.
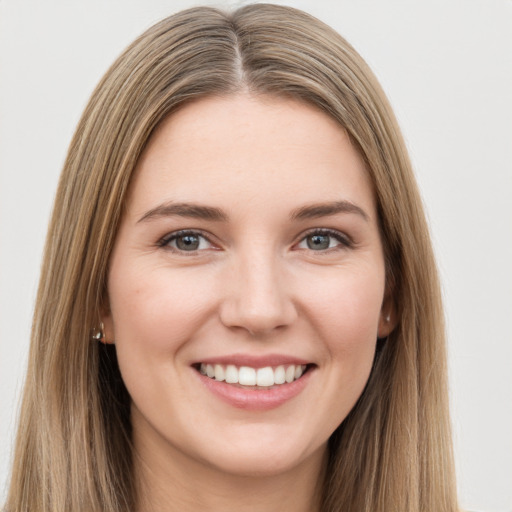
238,225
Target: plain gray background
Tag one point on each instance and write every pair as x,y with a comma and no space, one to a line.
446,66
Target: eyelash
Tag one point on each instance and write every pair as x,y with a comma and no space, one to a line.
165,241
344,240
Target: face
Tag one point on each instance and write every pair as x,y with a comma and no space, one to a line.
247,285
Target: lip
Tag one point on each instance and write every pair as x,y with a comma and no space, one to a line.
254,361
258,399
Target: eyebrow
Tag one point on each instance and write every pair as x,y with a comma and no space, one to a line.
315,211
191,210
197,211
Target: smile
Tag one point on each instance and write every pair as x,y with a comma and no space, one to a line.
257,377
255,383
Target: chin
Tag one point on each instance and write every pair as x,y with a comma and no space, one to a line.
255,455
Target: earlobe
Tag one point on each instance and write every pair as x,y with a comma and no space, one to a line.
386,325
107,324
108,330
388,317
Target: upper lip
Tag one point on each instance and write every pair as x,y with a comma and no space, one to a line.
254,361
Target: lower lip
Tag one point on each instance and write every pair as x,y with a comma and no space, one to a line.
255,399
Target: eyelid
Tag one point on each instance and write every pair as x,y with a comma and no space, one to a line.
340,236
164,241
344,239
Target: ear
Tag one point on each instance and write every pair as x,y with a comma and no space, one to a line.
108,324
388,316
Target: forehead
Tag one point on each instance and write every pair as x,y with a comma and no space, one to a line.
245,147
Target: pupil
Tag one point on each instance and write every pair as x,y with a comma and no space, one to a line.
317,242
187,242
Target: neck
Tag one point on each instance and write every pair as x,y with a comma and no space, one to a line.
173,482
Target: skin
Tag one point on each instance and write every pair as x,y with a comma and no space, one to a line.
253,286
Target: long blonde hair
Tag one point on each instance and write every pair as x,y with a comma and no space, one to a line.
73,451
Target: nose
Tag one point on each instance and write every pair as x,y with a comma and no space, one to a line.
257,298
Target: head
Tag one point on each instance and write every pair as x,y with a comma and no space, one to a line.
264,51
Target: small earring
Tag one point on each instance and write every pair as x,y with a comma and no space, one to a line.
98,334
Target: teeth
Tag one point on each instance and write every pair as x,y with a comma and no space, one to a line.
265,376
280,375
247,376
290,374
231,374
220,374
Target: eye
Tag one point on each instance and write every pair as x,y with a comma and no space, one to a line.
322,240
185,241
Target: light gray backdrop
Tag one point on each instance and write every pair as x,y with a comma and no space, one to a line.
447,68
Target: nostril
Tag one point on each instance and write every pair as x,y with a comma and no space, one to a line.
257,321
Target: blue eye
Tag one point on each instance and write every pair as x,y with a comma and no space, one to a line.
321,240
185,241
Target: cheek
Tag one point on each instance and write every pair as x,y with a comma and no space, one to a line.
156,308
155,313
345,309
